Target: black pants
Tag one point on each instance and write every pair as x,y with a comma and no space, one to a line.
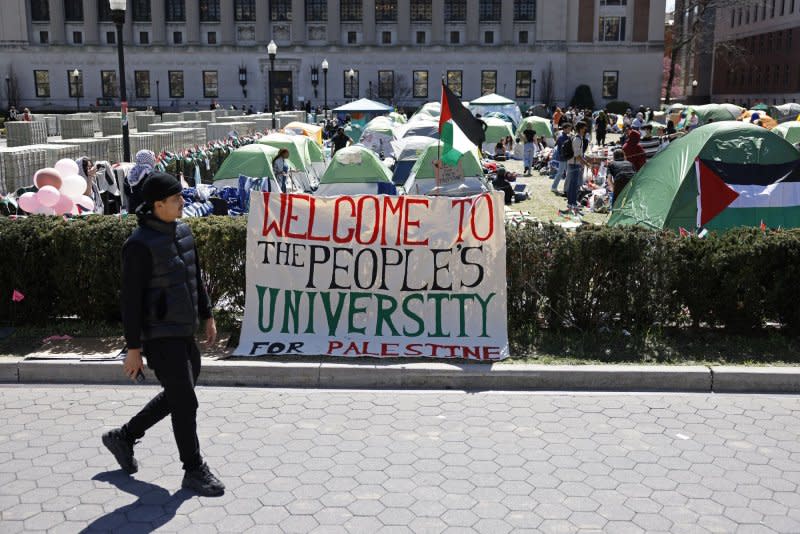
176,363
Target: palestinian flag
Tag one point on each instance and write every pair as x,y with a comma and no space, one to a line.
459,130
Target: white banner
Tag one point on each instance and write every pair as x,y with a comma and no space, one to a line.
375,275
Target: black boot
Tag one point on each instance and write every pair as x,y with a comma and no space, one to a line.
203,482
122,448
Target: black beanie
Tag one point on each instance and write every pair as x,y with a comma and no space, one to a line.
159,186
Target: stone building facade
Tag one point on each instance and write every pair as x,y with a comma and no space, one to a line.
187,53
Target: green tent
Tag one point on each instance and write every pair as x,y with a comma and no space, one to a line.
422,178
789,131
496,130
295,144
713,113
353,130
735,158
315,153
398,118
538,124
253,160
356,170
431,109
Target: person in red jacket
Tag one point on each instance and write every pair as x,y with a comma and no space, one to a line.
634,151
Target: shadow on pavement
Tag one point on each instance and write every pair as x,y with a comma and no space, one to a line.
154,508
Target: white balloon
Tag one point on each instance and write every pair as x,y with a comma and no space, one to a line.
44,210
74,185
85,202
66,167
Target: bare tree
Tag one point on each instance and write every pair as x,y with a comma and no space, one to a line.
11,89
693,32
547,91
402,88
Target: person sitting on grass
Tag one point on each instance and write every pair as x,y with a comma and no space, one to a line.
502,183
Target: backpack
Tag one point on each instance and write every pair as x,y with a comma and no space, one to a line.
566,150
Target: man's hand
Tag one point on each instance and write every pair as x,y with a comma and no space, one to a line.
133,363
211,331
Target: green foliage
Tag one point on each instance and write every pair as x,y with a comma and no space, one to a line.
595,279
582,97
618,107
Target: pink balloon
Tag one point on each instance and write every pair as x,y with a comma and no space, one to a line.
47,176
28,202
45,210
48,196
86,203
64,205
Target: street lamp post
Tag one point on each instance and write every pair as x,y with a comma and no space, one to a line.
118,15
533,92
351,73
75,77
325,85
158,96
694,89
370,89
8,91
272,50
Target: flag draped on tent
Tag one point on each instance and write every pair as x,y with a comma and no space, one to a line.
459,130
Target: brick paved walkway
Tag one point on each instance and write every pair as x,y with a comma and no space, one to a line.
345,461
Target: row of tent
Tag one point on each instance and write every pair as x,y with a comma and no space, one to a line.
709,113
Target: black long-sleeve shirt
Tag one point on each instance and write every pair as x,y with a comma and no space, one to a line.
137,266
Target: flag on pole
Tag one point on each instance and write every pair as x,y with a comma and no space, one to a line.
713,194
17,296
459,130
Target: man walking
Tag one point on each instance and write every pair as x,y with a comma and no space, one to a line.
562,161
575,165
162,298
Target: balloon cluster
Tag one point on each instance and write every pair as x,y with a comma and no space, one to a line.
61,191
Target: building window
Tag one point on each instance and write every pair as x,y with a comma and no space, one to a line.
489,10
421,10
317,10
42,80
73,10
610,84
386,38
351,84
211,37
421,38
386,10
455,10
108,79
488,37
140,10
177,37
488,82
454,81
350,10
525,10
111,37
244,10
40,10
352,38
44,37
210,84
612,29
176,84
209,10
420,84
455,37
523,37
103,11
77,37
386,84
144,38
523,84
280,10
142,82
176,10
75,84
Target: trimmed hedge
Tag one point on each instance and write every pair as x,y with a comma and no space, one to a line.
599,277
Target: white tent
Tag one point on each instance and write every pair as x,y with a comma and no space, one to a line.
491,99
364,105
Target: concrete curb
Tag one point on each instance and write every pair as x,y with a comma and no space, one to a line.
430,375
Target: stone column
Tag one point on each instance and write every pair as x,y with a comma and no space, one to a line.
91,33
368,22
158,25
263,25
334,25
58,34
298,21
507,22
226,22
473,23
404,22
192,22
437,22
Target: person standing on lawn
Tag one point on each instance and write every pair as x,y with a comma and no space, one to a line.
163,298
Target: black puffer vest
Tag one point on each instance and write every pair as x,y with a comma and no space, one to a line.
170,300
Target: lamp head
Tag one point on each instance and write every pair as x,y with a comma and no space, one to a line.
118,5
324,65
694,83
272,49
76,73
351,73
